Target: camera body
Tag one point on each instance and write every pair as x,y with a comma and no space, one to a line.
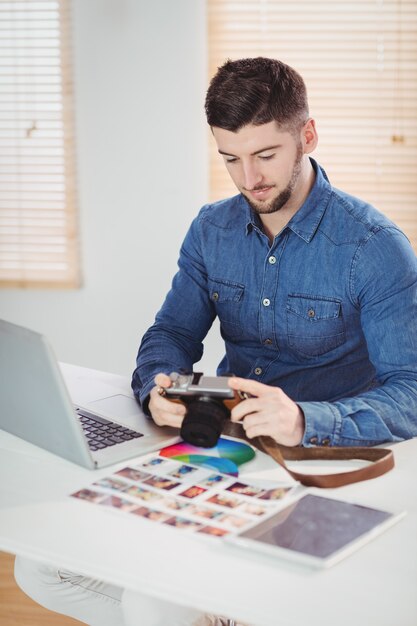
208,400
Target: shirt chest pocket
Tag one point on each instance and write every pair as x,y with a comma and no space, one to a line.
314,324
227,298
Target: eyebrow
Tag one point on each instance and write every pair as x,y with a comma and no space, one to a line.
252,154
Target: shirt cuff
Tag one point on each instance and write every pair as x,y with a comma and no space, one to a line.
144,398
323,424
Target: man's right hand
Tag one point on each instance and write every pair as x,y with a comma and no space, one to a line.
165,412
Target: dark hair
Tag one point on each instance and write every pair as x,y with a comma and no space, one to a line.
256,91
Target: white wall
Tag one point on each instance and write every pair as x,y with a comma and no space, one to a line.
140,77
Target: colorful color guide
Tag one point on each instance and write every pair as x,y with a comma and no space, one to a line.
224,457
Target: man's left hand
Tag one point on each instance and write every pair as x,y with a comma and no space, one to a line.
268,412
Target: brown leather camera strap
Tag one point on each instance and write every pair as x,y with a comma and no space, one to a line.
381,460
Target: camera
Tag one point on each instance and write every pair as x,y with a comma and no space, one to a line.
208,400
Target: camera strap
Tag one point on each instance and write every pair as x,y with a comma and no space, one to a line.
380,460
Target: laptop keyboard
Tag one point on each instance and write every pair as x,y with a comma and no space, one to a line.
102,433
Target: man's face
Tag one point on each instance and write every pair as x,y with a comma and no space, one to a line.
264,162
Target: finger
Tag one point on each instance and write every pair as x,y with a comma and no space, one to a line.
244,408
174,408
255,419
160,404
168,419
257,430
163,380
165,412
249,386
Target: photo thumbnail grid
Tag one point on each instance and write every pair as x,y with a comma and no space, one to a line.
185,496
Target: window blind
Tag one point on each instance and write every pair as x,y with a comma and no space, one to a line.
359,61
38,225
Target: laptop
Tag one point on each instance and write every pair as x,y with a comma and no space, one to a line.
35,405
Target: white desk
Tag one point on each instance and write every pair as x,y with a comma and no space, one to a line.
376,586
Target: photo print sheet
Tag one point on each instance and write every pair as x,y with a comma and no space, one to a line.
185,496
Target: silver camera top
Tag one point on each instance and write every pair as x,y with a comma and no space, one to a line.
196,384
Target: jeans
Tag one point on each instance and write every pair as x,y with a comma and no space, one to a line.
98,603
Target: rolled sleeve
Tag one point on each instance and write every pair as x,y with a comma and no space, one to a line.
323,424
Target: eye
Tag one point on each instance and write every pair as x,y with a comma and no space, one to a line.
230,160
267,157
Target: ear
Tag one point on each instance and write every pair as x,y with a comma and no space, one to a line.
309,136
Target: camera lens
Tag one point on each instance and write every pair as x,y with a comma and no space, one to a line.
203,422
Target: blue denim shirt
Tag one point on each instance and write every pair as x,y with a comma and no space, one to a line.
327,312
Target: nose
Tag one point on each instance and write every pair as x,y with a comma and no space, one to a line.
251,176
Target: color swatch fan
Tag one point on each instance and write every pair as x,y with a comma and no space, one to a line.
224,457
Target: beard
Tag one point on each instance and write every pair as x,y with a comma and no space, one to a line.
277,203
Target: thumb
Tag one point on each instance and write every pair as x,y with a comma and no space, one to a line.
163,380
253,387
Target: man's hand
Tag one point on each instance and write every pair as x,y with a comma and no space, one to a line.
269,412
165,412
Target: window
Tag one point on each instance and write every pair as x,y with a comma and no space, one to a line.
38,226
359,61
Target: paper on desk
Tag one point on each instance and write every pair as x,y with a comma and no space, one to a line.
193,498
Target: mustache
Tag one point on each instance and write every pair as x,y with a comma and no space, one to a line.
259,187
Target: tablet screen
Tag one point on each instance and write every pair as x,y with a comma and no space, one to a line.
317,526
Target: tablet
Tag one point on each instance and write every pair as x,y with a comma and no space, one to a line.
315,530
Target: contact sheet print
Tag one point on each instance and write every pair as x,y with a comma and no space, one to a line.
185,496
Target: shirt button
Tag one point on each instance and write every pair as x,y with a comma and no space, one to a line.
266,302
215,296
258,371
314,441
268,342
311,313
272,260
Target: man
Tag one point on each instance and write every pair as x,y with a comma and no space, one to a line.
316,293
315,290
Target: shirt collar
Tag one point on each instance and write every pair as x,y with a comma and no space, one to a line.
307,219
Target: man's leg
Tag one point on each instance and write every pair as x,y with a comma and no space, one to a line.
141,610
97,603
90,601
